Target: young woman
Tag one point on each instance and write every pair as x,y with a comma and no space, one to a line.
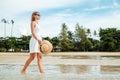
35,43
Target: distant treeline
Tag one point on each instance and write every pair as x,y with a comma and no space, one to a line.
79,40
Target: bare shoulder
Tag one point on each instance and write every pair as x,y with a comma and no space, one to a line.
33,23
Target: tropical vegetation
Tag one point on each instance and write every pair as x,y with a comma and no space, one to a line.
81,39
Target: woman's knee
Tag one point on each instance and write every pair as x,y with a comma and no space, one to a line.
39,56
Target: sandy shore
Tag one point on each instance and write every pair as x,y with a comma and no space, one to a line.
20,58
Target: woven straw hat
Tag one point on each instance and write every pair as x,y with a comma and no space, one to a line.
46,47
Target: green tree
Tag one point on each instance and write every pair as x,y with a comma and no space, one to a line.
12,42
88,45
95,44
81,38
7,43
2,44
117,38
64,42
108,39
55,41
71,40
25,42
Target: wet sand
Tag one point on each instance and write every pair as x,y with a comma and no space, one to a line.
62,66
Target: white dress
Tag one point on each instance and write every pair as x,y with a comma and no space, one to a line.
34,45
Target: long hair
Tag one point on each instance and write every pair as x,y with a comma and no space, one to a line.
33,15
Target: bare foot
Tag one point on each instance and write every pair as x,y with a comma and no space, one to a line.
42,72
23,72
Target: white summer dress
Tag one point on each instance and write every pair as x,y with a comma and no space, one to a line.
34,45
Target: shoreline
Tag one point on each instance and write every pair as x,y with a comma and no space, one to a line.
65,53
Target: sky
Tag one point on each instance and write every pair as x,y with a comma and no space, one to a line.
92,14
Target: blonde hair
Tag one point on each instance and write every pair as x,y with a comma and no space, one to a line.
33,15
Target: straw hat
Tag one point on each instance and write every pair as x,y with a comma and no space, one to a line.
46,47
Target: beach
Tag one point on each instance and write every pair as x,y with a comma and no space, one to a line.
62,66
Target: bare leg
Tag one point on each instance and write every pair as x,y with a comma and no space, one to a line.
39,60
29,60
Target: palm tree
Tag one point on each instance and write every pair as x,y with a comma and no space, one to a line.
12,21
4,21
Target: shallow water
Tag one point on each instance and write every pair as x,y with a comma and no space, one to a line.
59,72
56,71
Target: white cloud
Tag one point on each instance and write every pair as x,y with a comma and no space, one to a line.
12,7
92,22
99,7
115,4
110,20
51,25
